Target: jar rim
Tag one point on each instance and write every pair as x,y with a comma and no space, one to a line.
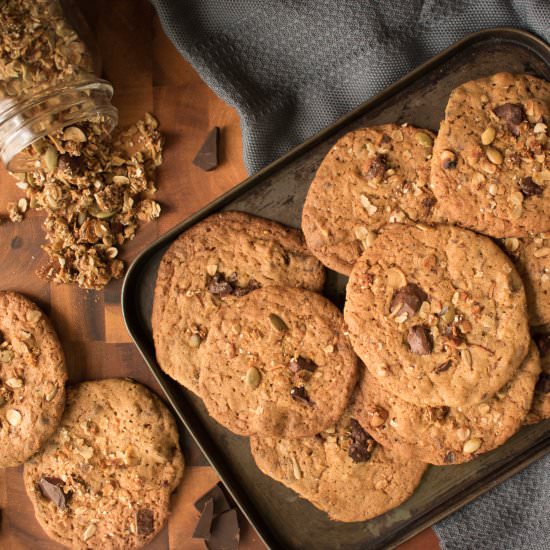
46,109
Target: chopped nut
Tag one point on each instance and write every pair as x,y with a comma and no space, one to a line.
463,433
89,532
542,252
540,128
377,416
395,278
295,468
51,393
14,383
195,340
74,133
466,356
33,316
368,206
212,269
14,417
6,356
471,446
511,244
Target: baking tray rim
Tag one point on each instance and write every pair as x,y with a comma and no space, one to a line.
429,518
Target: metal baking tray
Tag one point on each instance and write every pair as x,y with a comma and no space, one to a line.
281,519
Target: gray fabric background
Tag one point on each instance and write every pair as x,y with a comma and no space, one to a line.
292,67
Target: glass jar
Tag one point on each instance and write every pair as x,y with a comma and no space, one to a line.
48,77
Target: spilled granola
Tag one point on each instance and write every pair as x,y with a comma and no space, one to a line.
95,190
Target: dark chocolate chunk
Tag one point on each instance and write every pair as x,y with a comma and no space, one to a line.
204,525
70,164
145,521
225,533
444,366
438,413
511,114
529,188
543,384
543,343
407,299
216,494
362,444
51,488
299,393
385,139
302,363
429,202
419,340
219,285
377,167
207,157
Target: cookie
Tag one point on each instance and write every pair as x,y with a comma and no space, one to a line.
491,162
104,479
341,471
438,315
217,261
531,256
277,362
540,409
370,177
32,379
447,435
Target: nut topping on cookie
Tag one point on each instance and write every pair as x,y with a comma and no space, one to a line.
511,114
377,416
362,444
407,299
529,188
50,487
277,323
419,340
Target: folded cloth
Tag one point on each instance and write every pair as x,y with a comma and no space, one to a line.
290,68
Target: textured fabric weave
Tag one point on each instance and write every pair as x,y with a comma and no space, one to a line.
292,67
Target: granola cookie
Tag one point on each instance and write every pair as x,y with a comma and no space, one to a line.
438,315
104,480
531,256
341,471
370,177
540,409
447,435
277,362
491,162
32,379
215,262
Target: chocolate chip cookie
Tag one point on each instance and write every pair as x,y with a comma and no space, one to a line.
104,479
540,409
447,435
217,261
341,471
277,362
531,256
32,379
370,177
438,315
491,160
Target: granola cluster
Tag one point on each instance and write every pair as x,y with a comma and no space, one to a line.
95,189
37,45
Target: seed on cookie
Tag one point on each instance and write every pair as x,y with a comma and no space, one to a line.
367,205
278,323
466,356
14,417
14,383
89,532
253,377
377,416
488,136
424,139
494,155
195,340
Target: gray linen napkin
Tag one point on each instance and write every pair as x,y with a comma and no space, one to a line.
292,67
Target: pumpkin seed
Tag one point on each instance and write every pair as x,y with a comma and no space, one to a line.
424,139
472,445
278,323
73,133
253,377
494,155
488,136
